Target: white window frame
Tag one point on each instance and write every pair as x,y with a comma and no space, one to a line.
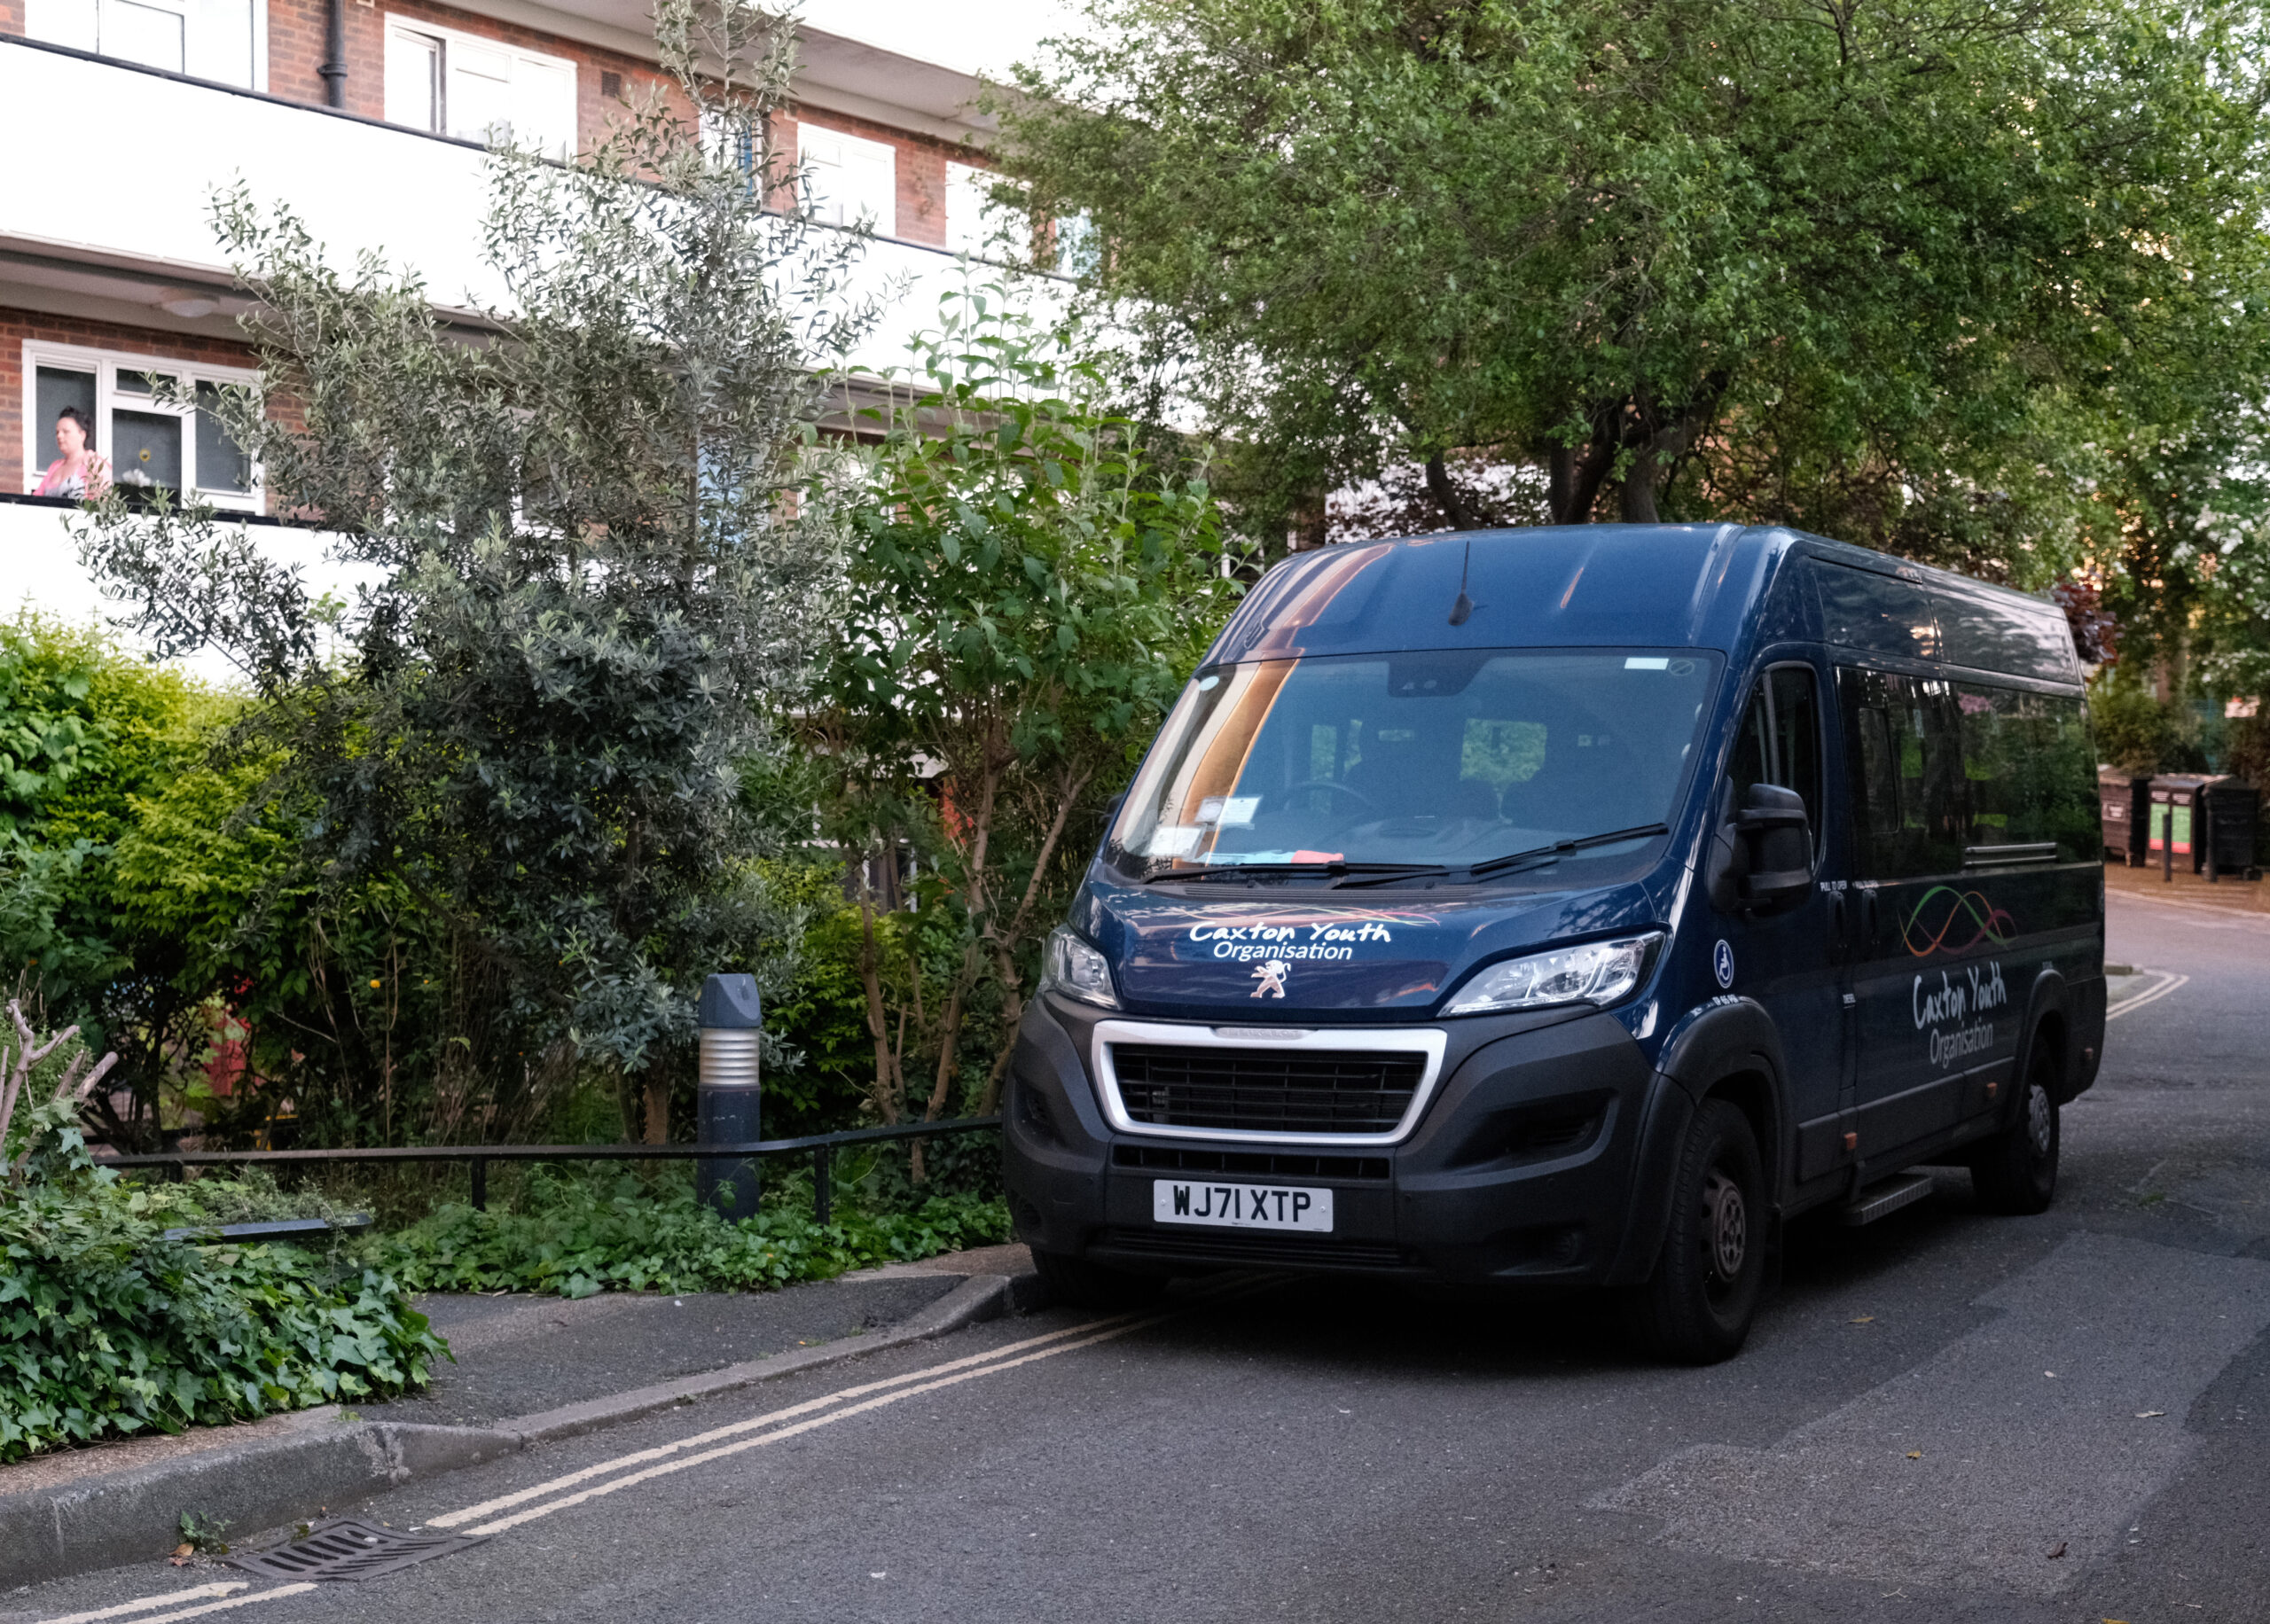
968,223
105,364
831,210
569,140
76,23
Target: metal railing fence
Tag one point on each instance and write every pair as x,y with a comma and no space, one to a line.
822,1148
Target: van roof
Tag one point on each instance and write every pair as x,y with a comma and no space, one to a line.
1679,586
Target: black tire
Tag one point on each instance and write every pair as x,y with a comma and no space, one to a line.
1697,1308
2016,1171
1083,1285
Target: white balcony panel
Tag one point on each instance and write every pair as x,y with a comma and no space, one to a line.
415,200
359,187
40,569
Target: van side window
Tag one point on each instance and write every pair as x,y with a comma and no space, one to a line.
1881,613
1875,771
1905,756
2026,759
1780,740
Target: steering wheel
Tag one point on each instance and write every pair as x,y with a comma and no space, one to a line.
1357,796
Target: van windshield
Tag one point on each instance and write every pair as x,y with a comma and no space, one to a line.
1425,761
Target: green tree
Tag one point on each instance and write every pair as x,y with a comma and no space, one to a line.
595,550
1026,593
1877,268
89,738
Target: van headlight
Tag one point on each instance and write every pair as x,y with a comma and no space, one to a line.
1071,966
1597,973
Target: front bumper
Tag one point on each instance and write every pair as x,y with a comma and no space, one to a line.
1521,1170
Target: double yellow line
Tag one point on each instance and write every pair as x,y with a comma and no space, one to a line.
607,1477
623,1472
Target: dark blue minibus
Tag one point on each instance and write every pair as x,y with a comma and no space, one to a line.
1570,907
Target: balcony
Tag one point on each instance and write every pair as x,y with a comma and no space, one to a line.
112,229
113,234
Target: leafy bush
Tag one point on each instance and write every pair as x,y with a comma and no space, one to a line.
91,739
824,1074
1028,586
106,1330
582,1235
252,1196
2134,731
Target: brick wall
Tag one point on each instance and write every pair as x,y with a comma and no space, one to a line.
16,327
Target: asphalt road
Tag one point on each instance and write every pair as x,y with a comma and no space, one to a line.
1945,1416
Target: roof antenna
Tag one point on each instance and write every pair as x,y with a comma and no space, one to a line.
1465,607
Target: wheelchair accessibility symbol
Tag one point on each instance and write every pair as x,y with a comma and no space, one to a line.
1722,963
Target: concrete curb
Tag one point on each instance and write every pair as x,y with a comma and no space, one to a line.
284,1469
979,1296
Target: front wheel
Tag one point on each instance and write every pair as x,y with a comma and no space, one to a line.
1698,1307
2016,1171
1083,1285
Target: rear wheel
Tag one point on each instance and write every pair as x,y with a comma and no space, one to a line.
1092,1285
2016,1171
1698,1307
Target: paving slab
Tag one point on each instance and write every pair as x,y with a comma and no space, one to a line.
517,1357
2189,889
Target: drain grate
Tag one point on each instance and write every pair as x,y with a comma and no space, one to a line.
343,1550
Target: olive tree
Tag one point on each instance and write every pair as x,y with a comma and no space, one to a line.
593,547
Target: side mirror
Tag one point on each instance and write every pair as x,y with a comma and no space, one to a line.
1776,837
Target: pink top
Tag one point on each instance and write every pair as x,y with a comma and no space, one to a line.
60,482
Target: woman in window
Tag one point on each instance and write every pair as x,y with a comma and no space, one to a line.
78,472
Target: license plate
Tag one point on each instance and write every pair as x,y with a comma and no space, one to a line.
1241,1207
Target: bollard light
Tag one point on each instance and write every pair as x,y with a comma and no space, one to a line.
732,1026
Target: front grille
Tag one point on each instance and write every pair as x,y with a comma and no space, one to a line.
1263,1164
1267,1090
1253,1251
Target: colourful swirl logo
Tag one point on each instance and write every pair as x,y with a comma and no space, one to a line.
1990,923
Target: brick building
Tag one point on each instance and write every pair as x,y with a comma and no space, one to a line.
367,117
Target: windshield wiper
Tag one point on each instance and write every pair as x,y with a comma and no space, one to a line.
1380,873
1233,871
1512,861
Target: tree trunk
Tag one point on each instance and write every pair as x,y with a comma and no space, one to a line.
626,1105
890,1086
1447,500
1591,472
977,897
1638,497
658,1103
1560,481
1004,946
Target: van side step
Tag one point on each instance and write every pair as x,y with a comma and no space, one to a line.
1888,1196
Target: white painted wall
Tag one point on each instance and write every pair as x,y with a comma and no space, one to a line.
40,569
359,186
